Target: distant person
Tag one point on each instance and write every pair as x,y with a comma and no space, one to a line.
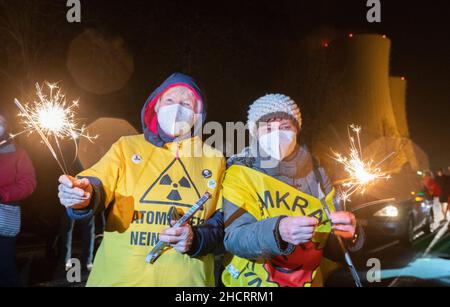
433,191
444,183
431,187
17,182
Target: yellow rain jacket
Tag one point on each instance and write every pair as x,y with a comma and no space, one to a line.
139,182
266,197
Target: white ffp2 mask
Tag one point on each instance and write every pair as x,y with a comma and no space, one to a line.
278,144
175,120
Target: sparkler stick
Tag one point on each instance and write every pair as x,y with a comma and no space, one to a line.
61,154
436,238
326,209
347,257
11,137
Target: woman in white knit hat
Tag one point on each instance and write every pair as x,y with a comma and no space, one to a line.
276,227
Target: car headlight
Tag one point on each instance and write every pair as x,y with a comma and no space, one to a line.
388,211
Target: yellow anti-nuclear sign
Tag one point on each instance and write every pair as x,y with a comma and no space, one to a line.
173,186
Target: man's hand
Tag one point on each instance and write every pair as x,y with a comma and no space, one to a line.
297,230
180,238
74,193
344,224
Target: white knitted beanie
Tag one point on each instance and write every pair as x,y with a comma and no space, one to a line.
273,105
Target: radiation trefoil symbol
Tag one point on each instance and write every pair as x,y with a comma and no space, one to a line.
173,186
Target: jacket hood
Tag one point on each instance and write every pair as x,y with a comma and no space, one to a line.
149,120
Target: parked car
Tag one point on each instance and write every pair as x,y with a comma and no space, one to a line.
401,220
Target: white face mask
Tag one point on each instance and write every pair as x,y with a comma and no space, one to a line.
278,144
175,120
2,130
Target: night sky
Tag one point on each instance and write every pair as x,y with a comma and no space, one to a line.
238,50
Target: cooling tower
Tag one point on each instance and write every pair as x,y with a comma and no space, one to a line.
364,84
398,98
359,94
362,93
408,157
412,153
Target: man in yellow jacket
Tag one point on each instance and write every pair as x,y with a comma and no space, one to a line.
139,180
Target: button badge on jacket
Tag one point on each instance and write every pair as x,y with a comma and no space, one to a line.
137,159
212,184
206,173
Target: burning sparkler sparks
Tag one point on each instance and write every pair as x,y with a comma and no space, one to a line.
361,173
53,118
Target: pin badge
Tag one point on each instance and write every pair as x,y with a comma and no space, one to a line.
136,159
206,173
212,184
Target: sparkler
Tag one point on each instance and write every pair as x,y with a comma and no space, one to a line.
52,118
361,173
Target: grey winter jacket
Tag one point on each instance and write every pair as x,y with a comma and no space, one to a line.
248,238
